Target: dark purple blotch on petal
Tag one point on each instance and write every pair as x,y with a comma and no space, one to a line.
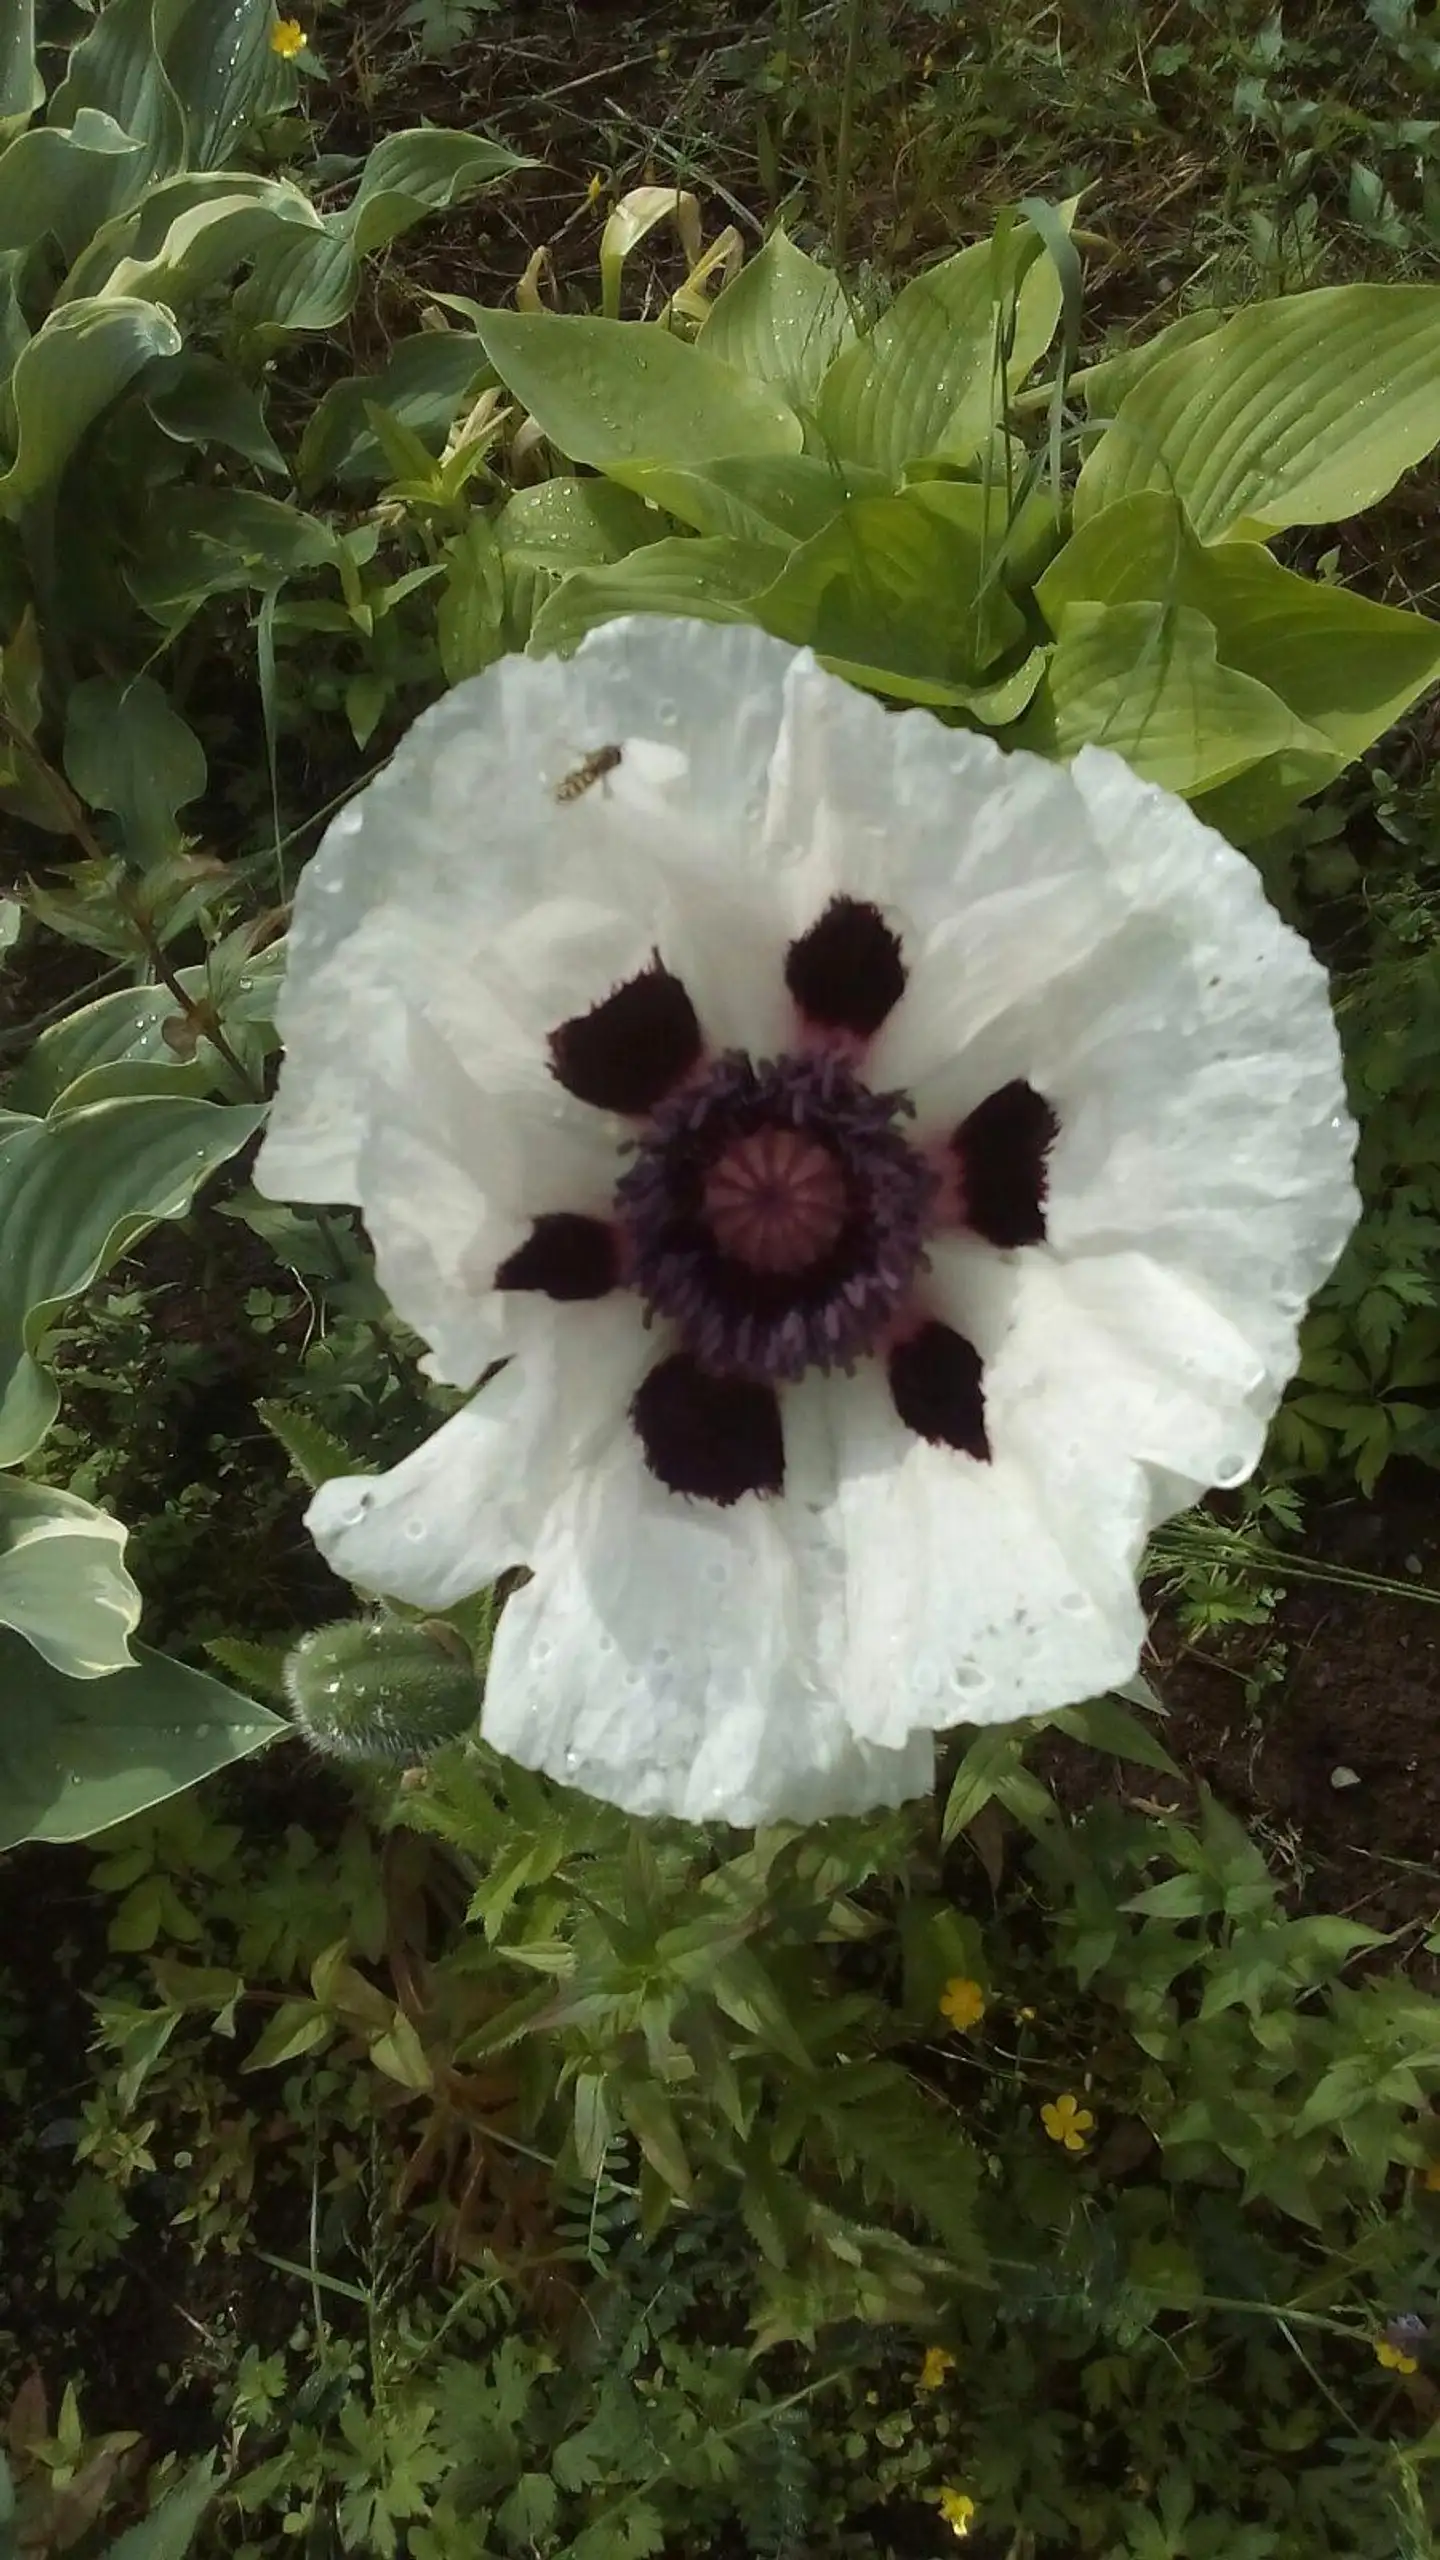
1002,1149
847,972
632,1048
715,1438
564,1256
937,1381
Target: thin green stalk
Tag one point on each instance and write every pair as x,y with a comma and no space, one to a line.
845,138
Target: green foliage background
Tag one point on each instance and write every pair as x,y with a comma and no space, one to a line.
543,2185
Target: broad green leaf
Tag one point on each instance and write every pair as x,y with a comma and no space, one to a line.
198,399
1103,386
69,372
218,62
574,524
470,620
79,1755
1145,680
74,1193
784,320
1347,667
425,382
1252,805
616,391
169,2531
756,498
310,281
711,579
299,280
117,69
22,89
63,1583
424,170
128,750
189,236
122,1037
894,595
210,541
60,183
14,337
935,373
1303,411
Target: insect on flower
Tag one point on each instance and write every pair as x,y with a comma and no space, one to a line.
876,1177
591,769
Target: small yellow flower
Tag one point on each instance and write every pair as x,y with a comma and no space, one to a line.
287,38
1065,2120
1026,2016
595,187
1430,2177
938,2362
957,2510
962,2002
1394,2359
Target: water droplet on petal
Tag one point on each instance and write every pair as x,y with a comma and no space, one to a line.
415,1530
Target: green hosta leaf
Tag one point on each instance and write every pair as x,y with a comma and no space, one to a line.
63,1583
894,595
1103,386
574,524
299,280
118,1043
756,498
1145,680
616,391
197,399
77,1755
190,235
22,89
710,579
14,337
1303,411
117,69
470,621
60,183
74,1193
211,541
128,750
311,282
69,372
783,320
1347,667
219,63
933,376
424,170
426,382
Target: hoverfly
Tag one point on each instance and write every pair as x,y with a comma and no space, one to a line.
599,762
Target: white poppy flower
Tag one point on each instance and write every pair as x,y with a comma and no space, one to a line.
891,1171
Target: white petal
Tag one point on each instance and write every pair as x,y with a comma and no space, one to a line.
472,1499
1198,1081
453,1180
959,1602
659,1659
